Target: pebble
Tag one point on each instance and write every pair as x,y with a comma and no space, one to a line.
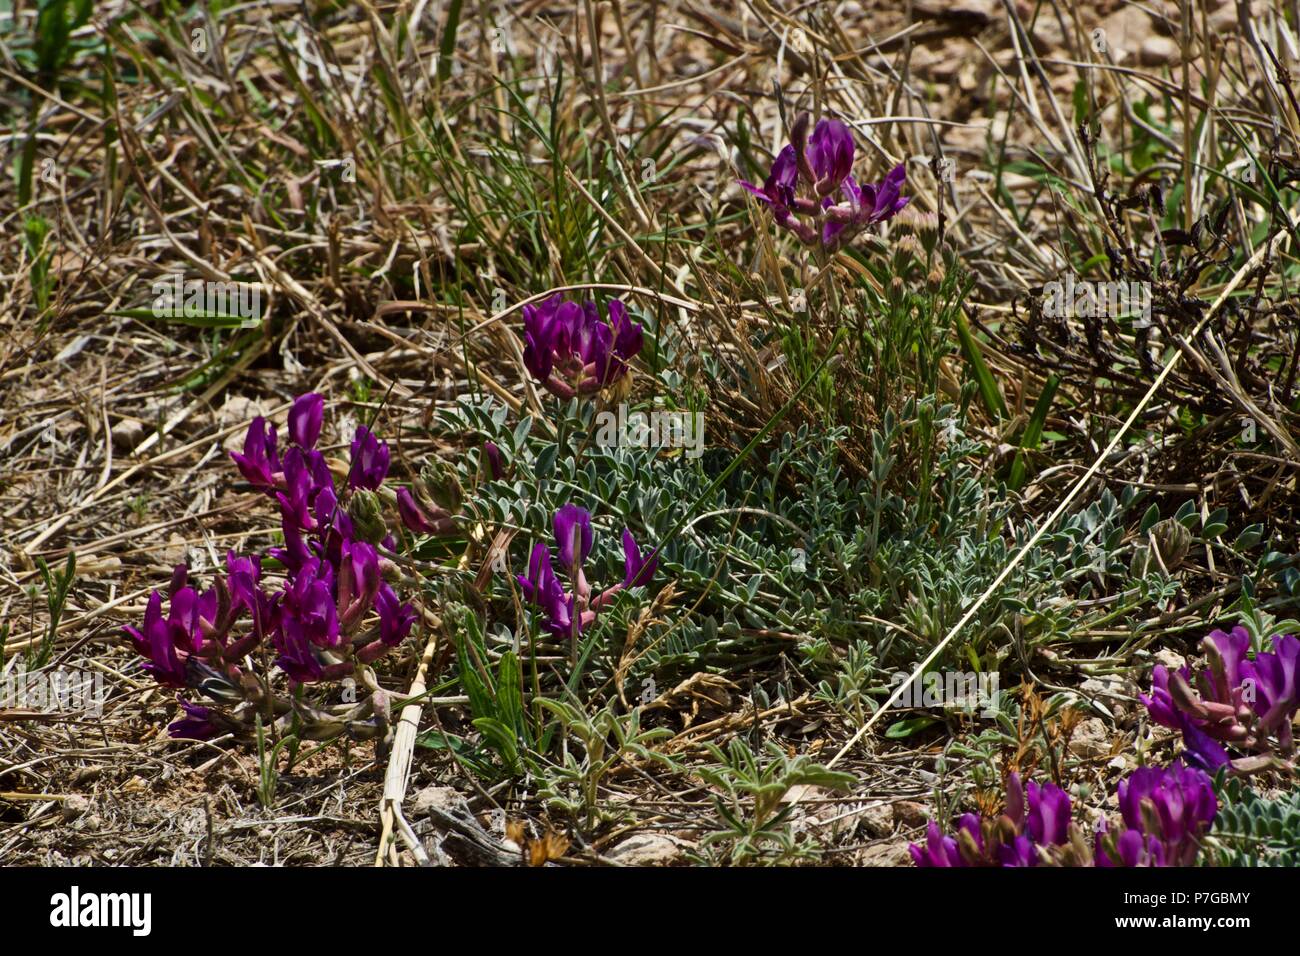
1157,51
649,849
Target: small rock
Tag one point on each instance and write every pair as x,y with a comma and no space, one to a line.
1122,33
1045,35
878,820
1090,738
649,849
885,854
1157,51
435,798
1170,659
1111,691
127,434
175,551
1224,19
74,806
909,813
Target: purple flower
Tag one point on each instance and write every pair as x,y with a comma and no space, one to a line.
1049,813
637,570
308,610
197,724
1160,704
1130,846
878,202
830,155
1202,749
1175,805
938,851
628,339
573,536
369,460
1276,694
395,618
1236,701
1003,841
542,588
305,419
296,657
419,520
822,166
1017,852
358,581
164,641
259,463
572,351
493,454
300,487
243,576
778,189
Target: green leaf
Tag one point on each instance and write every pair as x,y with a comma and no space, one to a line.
1149,519
908,726
1033,431
970,349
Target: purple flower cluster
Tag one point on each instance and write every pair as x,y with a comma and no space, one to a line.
1236,702
198,623
1166,814
569,612
572,351
1011,839
334,578
837,205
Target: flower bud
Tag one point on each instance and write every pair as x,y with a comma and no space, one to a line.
439,484
367,513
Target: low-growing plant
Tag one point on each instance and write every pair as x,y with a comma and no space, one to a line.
750,790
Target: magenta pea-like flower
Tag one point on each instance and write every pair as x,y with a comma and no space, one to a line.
542,588
811,191
1167,812
1277,691
1130,848
395,618
573,536
358,582
420,518
638,570
778,191
569,612
305,417
165,642
197,724
259,464
1236,702
1011,839
369,460
1048,820
334,584
309,607
572,351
